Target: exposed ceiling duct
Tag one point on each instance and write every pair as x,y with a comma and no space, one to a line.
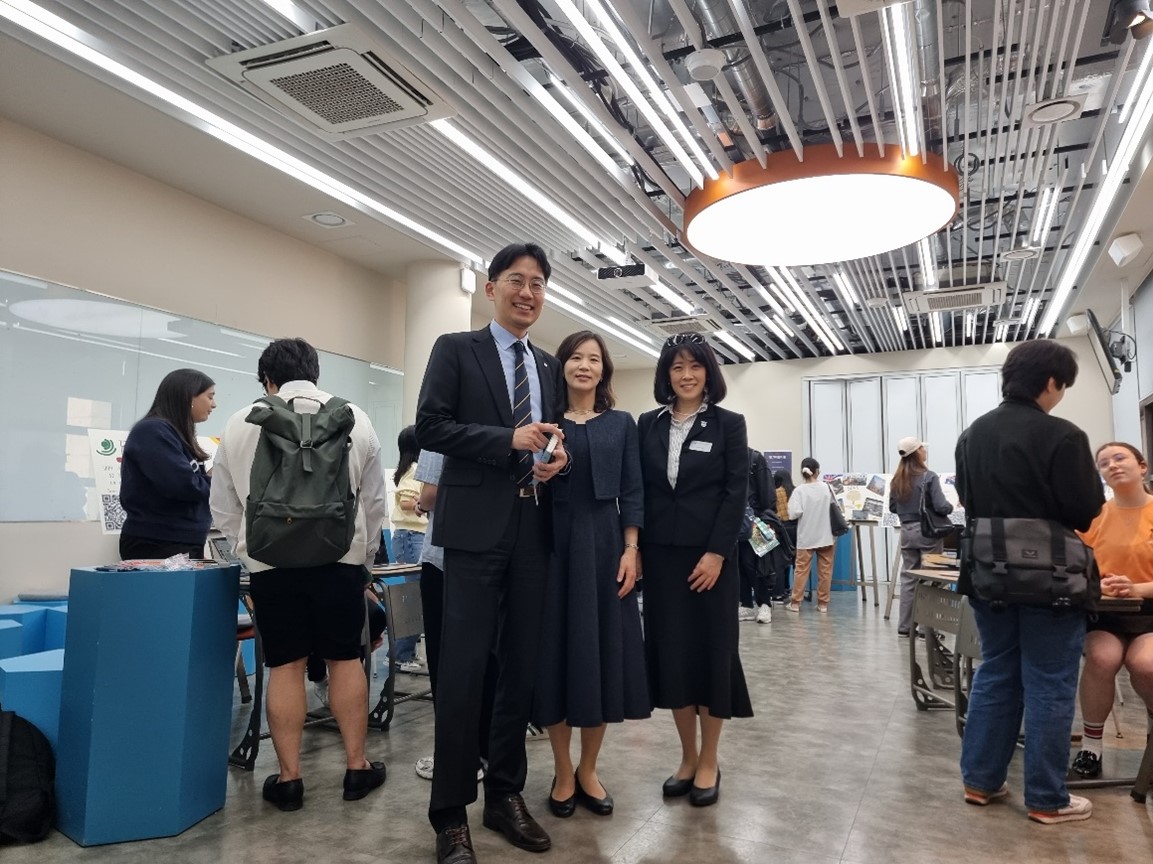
717,17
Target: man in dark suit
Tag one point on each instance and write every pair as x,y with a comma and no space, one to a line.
489,402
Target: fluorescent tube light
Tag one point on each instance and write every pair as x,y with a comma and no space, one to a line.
63,34
659,97
1032,305
591,119
305,23
735,343
901,318
846,287
900,51
594,41
545,98
1000,331
928,264
1141,76
1043,213
601,326
673,298
629,328
1136,131
935,327
555,290
773,327
787,285
970,325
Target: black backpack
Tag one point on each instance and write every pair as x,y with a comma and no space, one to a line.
27,778
301,508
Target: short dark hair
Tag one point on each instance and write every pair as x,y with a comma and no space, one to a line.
288,360
173,403
810,467
505,258
1031,364
604,398
695,346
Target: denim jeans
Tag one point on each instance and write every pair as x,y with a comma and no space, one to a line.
406,547
1030,666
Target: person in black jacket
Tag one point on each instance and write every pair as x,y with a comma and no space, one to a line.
695,465
1017,461
163,482
756,589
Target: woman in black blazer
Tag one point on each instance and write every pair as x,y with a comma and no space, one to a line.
695,464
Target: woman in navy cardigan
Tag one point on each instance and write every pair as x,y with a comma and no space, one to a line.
695,462
163,483
591,668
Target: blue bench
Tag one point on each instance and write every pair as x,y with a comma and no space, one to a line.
30,686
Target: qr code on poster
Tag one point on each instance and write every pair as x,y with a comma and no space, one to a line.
114,514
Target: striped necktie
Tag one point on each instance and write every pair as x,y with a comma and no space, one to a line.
521,413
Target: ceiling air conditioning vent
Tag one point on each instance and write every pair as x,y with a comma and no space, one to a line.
972,297
336,81
687,324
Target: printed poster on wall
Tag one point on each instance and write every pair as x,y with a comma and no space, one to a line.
779,460
107,447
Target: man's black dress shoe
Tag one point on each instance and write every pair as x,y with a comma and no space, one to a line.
287,796
675,788
454,846
359,782
699,797
600,806
509,815
562,809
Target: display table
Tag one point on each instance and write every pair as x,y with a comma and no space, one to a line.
146,702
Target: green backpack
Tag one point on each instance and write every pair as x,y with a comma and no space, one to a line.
301,509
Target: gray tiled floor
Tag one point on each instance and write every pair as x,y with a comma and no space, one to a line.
837,766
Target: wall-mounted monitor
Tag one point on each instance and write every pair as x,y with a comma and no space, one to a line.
1099,339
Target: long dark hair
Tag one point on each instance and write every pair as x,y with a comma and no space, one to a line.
173,404
908,470
782,479
604,399
409,452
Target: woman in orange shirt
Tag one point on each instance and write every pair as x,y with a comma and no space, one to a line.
1122,541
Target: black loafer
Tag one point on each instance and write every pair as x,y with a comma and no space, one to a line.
1087,765
287,796
359,782
562,809
699,797
454,846
600,806
675,788
509,815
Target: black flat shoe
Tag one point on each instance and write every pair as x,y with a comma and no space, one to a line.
600,806
562,809
699,797
359,782
1086,766
287,796
675,788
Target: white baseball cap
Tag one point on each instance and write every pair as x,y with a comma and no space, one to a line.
910,445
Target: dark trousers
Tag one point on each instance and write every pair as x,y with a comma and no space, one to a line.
756,586
492,599
432,609
132,548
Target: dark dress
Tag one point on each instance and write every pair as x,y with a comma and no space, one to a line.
591,668
691,638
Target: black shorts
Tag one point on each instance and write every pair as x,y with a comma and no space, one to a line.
310,610
1125,625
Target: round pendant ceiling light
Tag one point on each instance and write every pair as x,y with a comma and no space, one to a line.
825,209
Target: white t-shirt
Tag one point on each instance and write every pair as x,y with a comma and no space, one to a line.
809,504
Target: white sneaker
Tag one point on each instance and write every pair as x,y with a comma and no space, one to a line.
765,614
746,613
410,666
320,688
1078,809
424,767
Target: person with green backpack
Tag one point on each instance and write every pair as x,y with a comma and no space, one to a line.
298,489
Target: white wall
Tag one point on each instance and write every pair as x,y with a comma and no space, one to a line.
67,216
769,394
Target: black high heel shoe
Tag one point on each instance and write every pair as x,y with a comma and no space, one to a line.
677,788
706,797
600,806
562,809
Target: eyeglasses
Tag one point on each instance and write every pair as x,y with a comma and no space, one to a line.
684,339
518,282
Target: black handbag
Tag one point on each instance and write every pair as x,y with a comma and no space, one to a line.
836,517
1029,562
933,524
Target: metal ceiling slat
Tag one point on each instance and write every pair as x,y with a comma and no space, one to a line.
761,61
870,331
866,80
965,138
988,172
858,321
875,266
817,78
1009,95
786,321
916,322
839,68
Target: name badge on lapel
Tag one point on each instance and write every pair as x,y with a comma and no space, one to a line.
701,446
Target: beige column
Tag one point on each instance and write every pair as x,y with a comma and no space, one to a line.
435,303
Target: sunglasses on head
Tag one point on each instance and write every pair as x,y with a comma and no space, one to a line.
685,339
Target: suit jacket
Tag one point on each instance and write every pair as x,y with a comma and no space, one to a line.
464,412
707,505
615,466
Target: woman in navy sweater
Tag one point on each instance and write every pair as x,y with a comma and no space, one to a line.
163,481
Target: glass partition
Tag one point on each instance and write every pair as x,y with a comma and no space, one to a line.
71,361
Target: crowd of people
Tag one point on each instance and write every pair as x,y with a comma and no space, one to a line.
535,508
